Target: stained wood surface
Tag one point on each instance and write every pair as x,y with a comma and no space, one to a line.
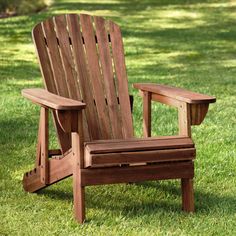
187,194
198,113
44,141
49,79
143,157
147,114
122,83
66,56
55,58
165,100
58,170
95,74
78,164
138,145
83,79
176,93
82,62
50,100
107,71
82,58
184,118
134,174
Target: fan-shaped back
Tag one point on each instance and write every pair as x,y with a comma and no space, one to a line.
82,58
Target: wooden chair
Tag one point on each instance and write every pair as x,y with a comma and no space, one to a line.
83,66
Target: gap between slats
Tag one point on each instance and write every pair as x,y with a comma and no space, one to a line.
69,63
79,54
117,123
122,82
55,58
95,74
106,67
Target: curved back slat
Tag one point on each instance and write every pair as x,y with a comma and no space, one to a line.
122,82
108,76
82,57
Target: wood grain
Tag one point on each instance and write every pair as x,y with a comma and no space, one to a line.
44,142
83,72
55,58
50,100
120,69
187,194
78,164
138,145
66,57
96,160
184,119
108,76
176,93
95,74
137,173
82,62
147,114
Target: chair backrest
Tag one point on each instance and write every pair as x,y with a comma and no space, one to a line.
82,58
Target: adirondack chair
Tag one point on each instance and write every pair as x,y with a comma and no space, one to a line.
82,62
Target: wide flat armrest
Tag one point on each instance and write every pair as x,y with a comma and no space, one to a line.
50,100
175,93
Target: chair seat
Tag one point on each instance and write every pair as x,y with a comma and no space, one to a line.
138,151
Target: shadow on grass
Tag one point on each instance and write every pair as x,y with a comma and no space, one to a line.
126,203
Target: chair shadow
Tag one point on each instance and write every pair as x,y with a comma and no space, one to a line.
205,203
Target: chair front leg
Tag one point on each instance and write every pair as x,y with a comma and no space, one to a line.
187,195
78,156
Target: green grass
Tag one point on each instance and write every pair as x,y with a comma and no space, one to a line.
186,43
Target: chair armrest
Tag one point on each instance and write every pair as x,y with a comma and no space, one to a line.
192,106
50,100
175,93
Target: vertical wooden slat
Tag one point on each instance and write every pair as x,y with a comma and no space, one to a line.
68,62
120,69
107,71
95,74
58,71
81,67
44,145
49,80
146,114
55,58
45,64
66,57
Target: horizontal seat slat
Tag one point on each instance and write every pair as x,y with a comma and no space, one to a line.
137,145
103,153
98,160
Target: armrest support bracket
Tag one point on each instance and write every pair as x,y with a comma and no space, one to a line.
66,109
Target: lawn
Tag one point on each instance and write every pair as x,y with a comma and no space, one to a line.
186,43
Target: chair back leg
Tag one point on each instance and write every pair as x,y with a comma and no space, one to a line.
78,156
